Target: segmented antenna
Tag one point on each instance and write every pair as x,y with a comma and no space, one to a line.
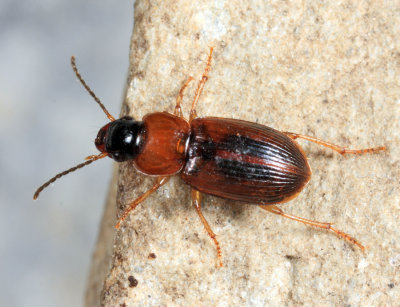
110,117
72,169
89,159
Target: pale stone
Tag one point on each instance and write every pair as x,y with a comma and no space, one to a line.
325,69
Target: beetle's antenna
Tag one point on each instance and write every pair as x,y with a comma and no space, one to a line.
89,159
110,117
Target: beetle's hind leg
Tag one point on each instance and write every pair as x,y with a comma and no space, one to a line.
196,201
328,226
340,149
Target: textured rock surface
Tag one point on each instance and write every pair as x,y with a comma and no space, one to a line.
327,70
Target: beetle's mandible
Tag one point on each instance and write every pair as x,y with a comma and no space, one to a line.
229,158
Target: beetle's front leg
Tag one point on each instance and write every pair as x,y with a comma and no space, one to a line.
178,109
159,183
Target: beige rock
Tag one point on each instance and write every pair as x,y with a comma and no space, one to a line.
330,70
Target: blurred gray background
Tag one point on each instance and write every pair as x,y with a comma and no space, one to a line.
48,124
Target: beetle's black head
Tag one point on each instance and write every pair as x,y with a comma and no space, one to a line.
121,139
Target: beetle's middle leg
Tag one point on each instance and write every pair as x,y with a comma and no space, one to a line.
340,149
196,201
328,226
200,86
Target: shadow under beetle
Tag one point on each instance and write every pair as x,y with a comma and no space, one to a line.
229,158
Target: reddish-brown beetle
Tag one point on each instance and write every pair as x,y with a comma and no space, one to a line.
229,158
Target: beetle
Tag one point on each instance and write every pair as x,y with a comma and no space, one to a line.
229,158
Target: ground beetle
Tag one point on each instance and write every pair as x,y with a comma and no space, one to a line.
229,158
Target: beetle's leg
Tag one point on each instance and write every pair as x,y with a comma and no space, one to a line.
339,149
196,201
178,109
327,226
200,86
159,182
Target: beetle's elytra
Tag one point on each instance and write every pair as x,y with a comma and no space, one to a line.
229,158
246,161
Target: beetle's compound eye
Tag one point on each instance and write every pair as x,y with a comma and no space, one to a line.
101,138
